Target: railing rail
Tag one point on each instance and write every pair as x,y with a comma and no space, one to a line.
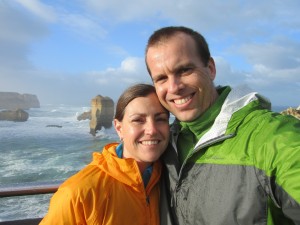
31,188
24,189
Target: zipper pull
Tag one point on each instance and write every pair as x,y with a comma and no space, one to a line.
148,200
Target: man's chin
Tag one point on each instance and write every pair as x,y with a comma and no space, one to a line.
186,116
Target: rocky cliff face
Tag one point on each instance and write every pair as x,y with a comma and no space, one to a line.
13,101
102,113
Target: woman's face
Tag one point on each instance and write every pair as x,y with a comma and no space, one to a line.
144,130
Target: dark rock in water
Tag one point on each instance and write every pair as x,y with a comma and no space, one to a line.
18,115
84,116
14,101
58,126
102,113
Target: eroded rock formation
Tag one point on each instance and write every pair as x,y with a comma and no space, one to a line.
84,116
102,113
18,115
14,101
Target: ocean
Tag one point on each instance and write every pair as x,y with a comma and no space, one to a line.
32,152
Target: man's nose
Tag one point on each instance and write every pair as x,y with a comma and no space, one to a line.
174,84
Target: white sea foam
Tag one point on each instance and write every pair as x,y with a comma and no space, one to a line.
32,152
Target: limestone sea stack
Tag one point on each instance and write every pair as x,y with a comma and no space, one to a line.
102,113
18,115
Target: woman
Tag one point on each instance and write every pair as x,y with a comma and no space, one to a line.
120,185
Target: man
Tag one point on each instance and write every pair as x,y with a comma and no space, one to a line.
232,160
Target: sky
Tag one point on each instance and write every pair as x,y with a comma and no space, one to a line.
67,52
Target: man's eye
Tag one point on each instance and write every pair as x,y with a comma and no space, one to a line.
185,70
159,79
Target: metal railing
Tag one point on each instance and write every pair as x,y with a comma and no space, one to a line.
26,189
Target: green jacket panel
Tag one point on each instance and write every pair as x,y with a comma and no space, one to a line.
244,170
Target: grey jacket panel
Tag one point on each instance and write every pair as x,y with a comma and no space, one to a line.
225,192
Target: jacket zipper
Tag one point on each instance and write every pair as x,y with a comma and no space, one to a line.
205,144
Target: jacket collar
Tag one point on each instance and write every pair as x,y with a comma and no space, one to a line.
237,99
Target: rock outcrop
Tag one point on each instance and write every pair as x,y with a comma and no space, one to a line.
18,115
292,111
84,116
102,113
14,101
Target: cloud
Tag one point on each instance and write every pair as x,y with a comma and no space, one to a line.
39,9
226,74
119,11
132,70
83,25
283,54
17,32
275,62
256,43
78,89
280,85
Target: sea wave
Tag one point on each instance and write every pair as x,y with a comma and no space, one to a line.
32,151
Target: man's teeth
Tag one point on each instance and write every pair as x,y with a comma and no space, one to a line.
182,101
149,142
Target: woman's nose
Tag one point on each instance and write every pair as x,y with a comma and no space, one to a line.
151,127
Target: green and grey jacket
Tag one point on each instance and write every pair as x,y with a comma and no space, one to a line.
244,170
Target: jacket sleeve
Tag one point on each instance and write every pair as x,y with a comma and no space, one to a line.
64,208
279,157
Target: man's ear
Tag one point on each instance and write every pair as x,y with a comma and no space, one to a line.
212,68
118,127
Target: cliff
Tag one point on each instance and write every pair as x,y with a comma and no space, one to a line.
14,100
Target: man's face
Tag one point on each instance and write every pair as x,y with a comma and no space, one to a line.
184,85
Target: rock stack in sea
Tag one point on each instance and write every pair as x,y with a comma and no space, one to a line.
102,113
18,115
292,111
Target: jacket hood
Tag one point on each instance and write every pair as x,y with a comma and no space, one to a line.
124,170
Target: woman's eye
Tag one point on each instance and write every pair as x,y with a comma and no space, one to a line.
137,120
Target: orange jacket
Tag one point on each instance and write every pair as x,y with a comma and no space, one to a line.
108,191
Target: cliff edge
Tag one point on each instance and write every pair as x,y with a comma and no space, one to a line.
14,100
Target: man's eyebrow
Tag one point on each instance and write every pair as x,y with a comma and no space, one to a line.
157,77
174,70
186,65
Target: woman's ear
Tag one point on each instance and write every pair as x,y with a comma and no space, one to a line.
118,127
